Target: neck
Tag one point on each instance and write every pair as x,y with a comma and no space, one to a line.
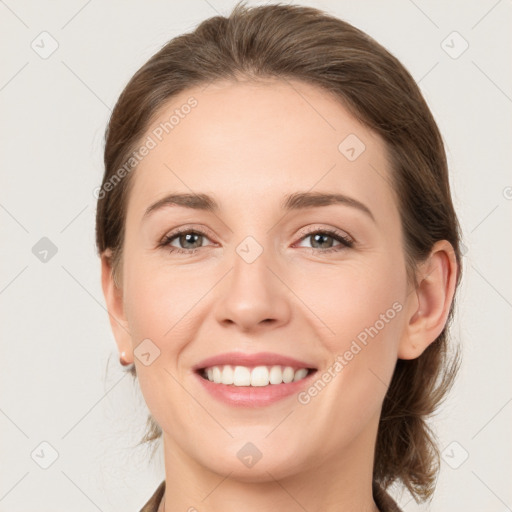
339,483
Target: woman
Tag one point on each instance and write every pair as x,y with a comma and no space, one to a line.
280,255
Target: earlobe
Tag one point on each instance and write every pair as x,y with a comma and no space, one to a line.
114,301
429,304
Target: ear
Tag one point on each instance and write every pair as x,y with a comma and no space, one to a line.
114,300
429,304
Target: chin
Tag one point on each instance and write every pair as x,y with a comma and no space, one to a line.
245,464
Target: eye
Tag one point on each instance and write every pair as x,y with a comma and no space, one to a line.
323,239
189,240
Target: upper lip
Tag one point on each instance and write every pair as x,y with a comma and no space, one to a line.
258,359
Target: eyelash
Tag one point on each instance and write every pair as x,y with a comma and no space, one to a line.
345,242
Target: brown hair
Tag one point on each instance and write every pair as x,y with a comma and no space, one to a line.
302,43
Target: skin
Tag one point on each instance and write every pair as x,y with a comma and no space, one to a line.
248,144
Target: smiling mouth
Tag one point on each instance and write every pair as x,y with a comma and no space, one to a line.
257,376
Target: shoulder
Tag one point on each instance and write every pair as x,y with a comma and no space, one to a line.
154,501
383,500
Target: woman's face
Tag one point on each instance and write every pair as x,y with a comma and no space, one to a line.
262,273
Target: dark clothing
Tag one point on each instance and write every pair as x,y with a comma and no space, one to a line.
381,497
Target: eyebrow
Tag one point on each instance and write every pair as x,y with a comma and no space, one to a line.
296,201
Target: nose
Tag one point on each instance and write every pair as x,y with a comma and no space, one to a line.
253,296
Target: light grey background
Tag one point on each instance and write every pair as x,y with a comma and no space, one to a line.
56,339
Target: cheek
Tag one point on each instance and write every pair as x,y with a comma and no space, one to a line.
359,302
157,298
363,306
159,306
366,314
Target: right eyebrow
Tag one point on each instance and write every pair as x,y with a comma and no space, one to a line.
195,201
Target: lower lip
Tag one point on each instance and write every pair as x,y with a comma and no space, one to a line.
253,396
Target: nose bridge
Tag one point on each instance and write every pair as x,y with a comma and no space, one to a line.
253,295
251,260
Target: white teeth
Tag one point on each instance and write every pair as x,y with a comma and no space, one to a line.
227,375
258,376
300,374
217,375
276,375
242,376
288,374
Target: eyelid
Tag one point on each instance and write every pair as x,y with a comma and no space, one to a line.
345,240
323,229
187,228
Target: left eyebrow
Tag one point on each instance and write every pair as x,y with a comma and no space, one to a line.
301,200
296,201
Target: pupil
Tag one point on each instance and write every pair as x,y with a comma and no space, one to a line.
187,238
320,236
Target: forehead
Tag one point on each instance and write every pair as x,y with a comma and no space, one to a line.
258,141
